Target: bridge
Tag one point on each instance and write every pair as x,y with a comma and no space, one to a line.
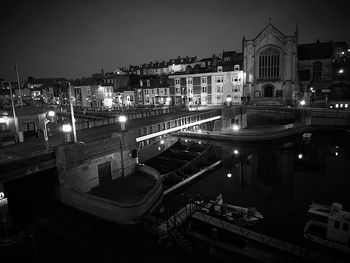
32,156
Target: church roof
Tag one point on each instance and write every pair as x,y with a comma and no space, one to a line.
269,25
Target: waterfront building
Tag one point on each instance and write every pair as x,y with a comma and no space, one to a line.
317,67
209,88
96,96
270,66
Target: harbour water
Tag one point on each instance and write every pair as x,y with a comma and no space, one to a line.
280,179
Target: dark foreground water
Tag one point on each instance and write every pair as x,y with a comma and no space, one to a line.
281,178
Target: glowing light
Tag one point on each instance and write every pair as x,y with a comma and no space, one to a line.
235,127
51,113
229,175
235,152
66,128
159,148
346,105
228,99
186,140
122,118
300,156
162,142
337,105
302,103
336,153
199,131
341,71
199,142
2,120
331,106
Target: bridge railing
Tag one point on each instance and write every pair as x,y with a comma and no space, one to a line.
150,133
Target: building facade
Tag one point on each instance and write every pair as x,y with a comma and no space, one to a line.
209,88
270,66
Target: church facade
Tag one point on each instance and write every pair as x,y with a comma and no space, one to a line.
270,67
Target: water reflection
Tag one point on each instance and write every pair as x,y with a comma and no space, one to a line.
281,179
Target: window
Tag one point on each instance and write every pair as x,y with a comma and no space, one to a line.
257,93
189,81
219,79
141,83
165,91
148,83
177,81
346,227
227,59
336,224
204,80
317,72
269,63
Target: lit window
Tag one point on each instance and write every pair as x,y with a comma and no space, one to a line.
341,105
269,63
337,105
346,105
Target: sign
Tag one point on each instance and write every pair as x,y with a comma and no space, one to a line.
325,90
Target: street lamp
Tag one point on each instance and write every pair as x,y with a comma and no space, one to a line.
235,127
341,71
228,100
122,120
302,103
67,129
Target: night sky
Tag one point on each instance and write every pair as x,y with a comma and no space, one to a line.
76,38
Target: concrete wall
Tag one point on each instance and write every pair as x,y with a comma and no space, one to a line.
77,164
123,213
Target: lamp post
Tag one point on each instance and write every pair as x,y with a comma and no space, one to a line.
14,112
19,85
50,114
67,129
72,113
122,120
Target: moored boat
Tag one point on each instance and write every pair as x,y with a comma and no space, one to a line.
329,226
237,214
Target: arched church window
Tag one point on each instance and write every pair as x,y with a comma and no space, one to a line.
317,73
269,63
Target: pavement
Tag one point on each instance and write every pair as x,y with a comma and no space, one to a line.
34,145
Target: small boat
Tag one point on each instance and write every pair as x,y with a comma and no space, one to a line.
329,226
307,135
237,214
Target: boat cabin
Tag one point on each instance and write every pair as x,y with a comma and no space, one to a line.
338,226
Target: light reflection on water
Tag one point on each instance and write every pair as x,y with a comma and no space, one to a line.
281,179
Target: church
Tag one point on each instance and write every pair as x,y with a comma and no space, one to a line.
270,67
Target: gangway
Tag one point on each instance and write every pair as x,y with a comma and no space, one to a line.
248,234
